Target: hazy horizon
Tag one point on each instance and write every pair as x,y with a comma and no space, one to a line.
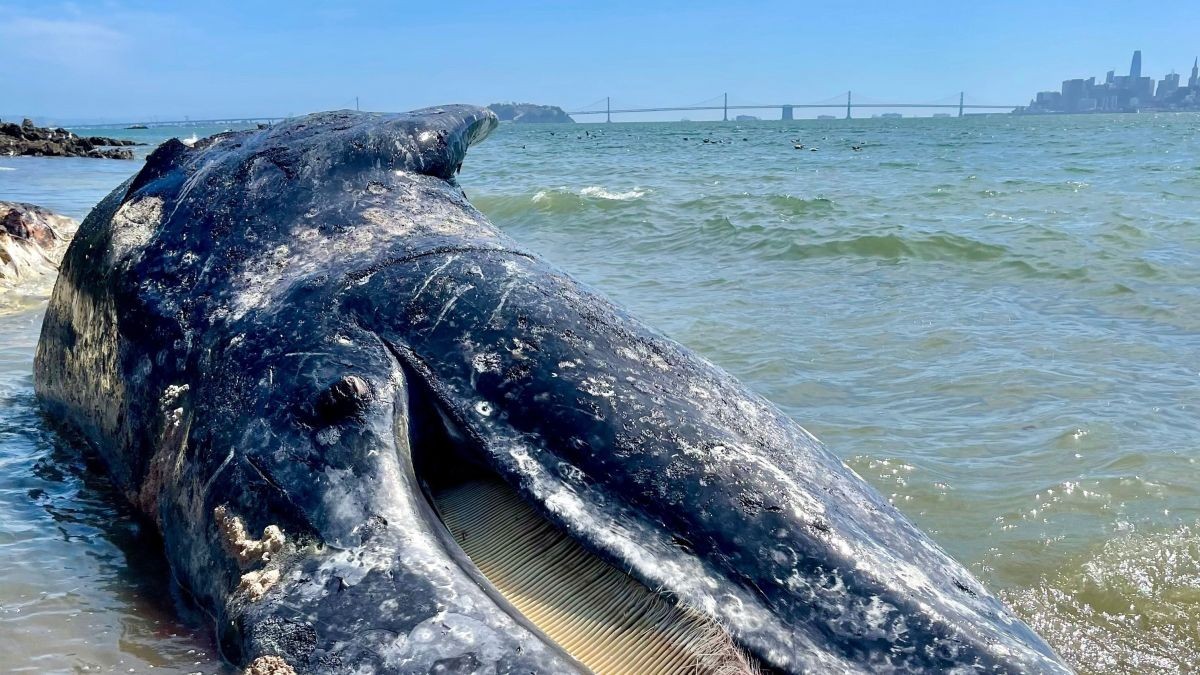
132,60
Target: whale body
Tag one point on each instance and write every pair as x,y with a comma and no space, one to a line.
377,435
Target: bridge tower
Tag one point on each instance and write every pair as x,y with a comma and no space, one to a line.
725,114
847,105
960,104
788,113
607,108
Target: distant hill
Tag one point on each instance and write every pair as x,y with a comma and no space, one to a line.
530,113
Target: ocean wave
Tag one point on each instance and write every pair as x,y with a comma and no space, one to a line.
942,246
29,290
800,206
25,298
7,168
750,207
591,193
1043,270
555,201
601,193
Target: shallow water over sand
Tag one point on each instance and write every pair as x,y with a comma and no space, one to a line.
993,320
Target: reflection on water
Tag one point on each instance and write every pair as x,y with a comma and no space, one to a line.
1129,606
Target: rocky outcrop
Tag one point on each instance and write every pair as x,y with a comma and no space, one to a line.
30,140
32,240
530,113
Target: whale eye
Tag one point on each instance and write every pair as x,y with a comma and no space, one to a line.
344,399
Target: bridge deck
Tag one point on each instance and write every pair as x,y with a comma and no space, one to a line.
780,106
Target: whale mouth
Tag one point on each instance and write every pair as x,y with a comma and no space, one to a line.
604,618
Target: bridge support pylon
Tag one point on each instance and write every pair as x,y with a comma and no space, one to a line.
607,108
960,104
788,113
847,105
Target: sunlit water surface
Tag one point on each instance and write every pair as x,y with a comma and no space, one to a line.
993,320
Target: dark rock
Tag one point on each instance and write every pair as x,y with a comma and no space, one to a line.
33,141
101,140
111,153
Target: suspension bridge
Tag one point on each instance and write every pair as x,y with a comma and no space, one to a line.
847,102
786,110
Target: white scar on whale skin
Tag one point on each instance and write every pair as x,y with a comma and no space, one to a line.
450,305
500,305
211,479
433,274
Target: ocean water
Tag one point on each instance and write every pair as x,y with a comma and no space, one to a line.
994,320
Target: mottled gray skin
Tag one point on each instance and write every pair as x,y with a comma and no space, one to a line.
280,323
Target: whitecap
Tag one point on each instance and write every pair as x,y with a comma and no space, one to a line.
601,193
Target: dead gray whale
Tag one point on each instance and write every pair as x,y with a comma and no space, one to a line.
31,240
378,436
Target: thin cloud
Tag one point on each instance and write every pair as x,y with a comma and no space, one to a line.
76,44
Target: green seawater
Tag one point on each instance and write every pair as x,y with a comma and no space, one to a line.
994,320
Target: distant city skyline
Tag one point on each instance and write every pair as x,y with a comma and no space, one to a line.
134,60
1122,93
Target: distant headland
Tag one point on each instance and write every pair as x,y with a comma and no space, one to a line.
1121,93
530,113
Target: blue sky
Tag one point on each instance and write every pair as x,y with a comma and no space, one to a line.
132,60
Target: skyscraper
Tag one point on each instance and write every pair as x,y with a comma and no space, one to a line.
1135,66
1194,81
1167,86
